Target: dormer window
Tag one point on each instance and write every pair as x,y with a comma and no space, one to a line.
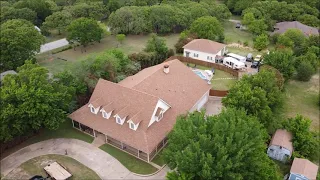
160,115
118,120
104,114
132,126
92,109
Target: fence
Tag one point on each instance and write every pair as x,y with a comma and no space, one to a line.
206,64
218,93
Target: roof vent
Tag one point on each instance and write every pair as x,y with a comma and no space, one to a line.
166,68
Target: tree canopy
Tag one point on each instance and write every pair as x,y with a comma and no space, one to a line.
58,20
208,28
30,100
84,31
19,41
306,143
259,95
226,146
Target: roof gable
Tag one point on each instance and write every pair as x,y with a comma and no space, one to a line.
204,45
282,138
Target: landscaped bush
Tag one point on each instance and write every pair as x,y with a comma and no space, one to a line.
246,43
304,71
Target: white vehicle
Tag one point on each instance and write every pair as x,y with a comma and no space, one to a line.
233,63
257,58
237,57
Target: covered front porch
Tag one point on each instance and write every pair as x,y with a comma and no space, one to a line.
120,145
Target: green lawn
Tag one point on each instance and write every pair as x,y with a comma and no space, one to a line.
159,159
64,131
130,162
232,34
132,44
35,167
218,83
302,98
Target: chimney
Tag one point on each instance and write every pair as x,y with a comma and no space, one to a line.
166,68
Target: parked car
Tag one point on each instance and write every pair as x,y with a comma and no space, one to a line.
258,58
255,64
238,25
249,57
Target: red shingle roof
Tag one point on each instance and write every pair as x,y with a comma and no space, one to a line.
180,88
305,168
204,45
282,138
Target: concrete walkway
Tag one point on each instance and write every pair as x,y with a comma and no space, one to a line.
53,45
106,166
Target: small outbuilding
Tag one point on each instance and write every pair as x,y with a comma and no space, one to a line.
303,169
56,171
280,147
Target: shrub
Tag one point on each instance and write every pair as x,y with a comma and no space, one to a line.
304,71
246,43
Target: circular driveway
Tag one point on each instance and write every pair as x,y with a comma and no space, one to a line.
106,166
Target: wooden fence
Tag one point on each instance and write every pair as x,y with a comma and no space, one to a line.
206,64
218,93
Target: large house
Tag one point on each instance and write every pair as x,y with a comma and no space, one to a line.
282,27
280,147
137,113
204,49
303,169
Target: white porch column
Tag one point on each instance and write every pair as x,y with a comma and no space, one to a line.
72,123
80,126
94,133
106,138
138,153
121,145
148,157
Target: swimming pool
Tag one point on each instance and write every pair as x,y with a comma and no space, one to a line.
200,75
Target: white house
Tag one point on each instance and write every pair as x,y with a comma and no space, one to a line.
280,147
204,49
303,169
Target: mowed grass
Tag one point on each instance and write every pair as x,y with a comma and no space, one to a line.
159,159
302,98
130,162
221,80
132,44
64,131
35,166
234,35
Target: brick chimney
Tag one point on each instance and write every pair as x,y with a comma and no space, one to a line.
166,68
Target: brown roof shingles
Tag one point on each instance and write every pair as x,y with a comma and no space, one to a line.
204,45
180,88
282,27
282,138
305,168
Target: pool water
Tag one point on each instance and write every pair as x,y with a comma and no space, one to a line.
200,75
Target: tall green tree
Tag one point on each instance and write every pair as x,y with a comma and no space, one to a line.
259,95
84,31
306,143
261,42
282,60
208,28
95,10
30,101
58,20
230,145
19,40
9,13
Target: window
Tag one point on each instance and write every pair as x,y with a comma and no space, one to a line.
104,114
92,109
195,55
118,119
160,116
208,58
132,125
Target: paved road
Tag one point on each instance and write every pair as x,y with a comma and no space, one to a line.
106,166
